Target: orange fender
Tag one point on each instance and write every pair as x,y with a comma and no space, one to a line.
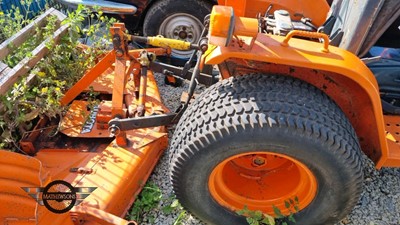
340,74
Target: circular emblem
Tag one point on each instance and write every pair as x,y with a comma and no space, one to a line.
59,196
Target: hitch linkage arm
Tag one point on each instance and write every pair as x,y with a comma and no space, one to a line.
142,122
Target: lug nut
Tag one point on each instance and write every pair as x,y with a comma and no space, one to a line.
259,161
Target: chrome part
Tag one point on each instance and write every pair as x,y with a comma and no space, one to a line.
105,6
183,27
280,23
283,22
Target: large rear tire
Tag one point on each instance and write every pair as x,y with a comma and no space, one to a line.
258,140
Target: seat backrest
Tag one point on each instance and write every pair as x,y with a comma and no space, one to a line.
385,29
349,22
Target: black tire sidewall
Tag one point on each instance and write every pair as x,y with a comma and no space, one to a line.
323,164
165,8
269,113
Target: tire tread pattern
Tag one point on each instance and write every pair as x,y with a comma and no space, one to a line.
242,103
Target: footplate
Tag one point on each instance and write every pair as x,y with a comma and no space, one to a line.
392,125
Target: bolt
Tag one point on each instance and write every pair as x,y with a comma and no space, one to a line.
182,35
283,12
259,161
204,48
113,130
119,53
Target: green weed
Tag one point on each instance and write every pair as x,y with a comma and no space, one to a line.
147,200
256,217
151,200
65,63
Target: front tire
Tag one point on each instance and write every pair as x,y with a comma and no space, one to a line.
260,140
182,20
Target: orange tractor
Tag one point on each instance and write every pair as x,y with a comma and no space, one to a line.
287,120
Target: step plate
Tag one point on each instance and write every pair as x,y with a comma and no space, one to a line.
392,127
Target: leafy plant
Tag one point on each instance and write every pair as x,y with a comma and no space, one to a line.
256,217
147,200
16,18
180,218
66,62
11,22
172,205
151,200
293,206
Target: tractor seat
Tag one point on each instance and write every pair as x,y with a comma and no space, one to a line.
358,25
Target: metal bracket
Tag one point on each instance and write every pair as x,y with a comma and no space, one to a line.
142,122
166,69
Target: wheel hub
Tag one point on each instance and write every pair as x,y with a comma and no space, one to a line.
261,181
182,35
184,27
259,161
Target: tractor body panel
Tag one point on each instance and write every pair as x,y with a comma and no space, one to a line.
101,168
117,172
20,180
338,73
316,10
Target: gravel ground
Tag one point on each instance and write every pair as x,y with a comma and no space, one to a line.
379,203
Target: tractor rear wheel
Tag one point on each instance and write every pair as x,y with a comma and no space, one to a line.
257,141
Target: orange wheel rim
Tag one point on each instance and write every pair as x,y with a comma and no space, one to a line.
261,180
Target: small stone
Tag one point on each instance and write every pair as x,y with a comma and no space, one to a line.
345,220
